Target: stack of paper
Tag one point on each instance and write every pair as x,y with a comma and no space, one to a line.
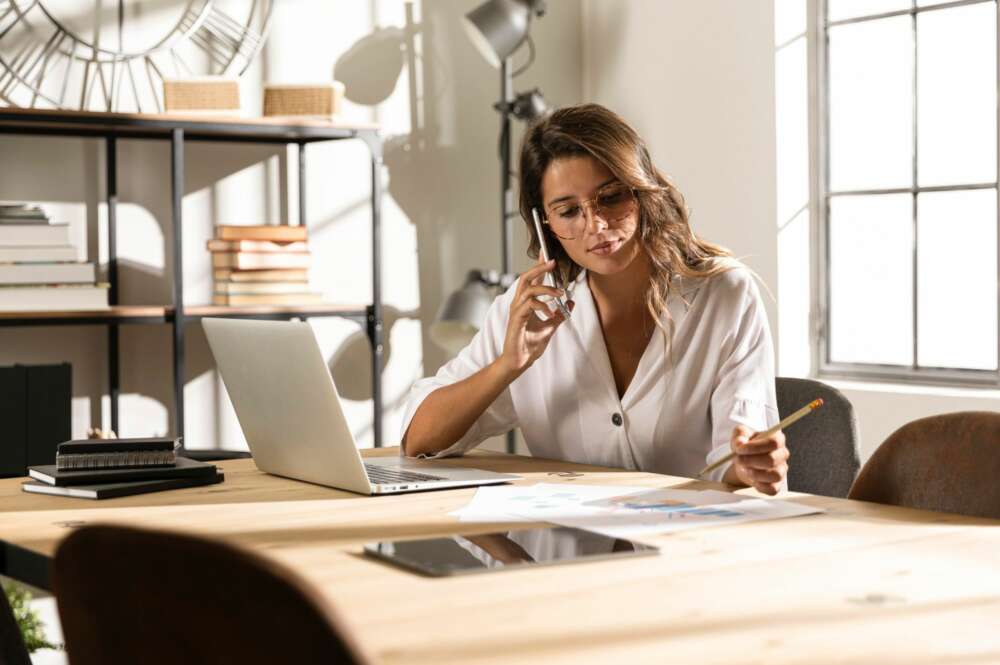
619,511
40,267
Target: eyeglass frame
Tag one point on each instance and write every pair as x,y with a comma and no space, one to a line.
595,208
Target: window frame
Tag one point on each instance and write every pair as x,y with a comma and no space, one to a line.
819,159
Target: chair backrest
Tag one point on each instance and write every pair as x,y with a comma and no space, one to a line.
824,447
949,463
13,651
137,596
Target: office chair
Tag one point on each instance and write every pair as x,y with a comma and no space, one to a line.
948,463
824,447
13,651
129,595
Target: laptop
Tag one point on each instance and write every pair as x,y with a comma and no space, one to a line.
290,412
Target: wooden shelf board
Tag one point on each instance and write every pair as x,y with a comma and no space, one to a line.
116,312
160,314
195,125
332,309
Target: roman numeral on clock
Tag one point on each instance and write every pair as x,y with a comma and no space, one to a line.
31,63
224,39
11,14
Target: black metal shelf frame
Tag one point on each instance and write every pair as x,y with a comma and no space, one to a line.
178,132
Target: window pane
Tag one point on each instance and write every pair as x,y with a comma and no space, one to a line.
871,105
791,97
956,103
789,20
871,279
841,9
957,279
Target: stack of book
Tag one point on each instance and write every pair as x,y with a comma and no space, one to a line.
40,268
261,265
103,469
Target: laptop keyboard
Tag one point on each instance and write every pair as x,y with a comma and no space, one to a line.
381,475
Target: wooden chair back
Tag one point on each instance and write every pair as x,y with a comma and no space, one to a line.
129,595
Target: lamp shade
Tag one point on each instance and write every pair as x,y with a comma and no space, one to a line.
462,314
498,27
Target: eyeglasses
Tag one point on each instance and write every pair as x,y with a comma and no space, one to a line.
613,203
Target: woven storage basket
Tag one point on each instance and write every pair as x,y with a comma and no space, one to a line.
323,99
204,94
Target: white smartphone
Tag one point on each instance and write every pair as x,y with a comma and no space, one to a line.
548,279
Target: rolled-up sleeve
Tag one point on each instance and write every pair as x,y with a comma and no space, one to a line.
484,348
744,391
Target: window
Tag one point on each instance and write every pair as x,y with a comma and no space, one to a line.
908,221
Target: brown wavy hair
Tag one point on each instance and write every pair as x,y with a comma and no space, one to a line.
665,235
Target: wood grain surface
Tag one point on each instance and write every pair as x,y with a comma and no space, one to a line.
860,583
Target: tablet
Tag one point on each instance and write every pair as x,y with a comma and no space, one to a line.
459,555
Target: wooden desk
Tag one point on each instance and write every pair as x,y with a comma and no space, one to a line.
860,584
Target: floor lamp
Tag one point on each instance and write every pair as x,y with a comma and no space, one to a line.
498,28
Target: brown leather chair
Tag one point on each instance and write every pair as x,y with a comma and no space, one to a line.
137,596
949,463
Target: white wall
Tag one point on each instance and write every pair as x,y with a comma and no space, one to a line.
696,80
440,215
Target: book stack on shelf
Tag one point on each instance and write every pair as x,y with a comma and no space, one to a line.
40,267
261,265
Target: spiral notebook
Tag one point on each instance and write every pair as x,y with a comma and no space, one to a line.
183,468
116,453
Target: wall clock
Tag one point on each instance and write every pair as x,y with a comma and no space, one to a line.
113,55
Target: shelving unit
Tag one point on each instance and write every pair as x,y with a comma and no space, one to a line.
178,129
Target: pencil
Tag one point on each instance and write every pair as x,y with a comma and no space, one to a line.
794,418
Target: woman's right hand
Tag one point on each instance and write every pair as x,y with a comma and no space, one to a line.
527,335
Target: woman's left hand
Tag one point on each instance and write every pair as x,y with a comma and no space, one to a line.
761,464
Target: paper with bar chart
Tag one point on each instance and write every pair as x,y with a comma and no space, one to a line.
623,512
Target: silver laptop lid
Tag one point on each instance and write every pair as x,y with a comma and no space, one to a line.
286,401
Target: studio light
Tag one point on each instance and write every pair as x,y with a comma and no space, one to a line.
462,314
499,27
529,106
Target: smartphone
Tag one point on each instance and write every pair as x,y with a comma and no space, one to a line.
549,279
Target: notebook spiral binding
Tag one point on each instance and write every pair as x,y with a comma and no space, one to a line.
115,460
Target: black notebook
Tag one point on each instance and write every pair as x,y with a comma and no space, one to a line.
183,468
111,490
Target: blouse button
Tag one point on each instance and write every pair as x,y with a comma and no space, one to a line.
616,419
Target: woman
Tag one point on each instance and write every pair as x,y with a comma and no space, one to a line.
666,362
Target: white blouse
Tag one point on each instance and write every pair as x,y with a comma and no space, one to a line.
678,412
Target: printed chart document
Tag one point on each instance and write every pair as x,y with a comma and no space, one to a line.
518,503
620,511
